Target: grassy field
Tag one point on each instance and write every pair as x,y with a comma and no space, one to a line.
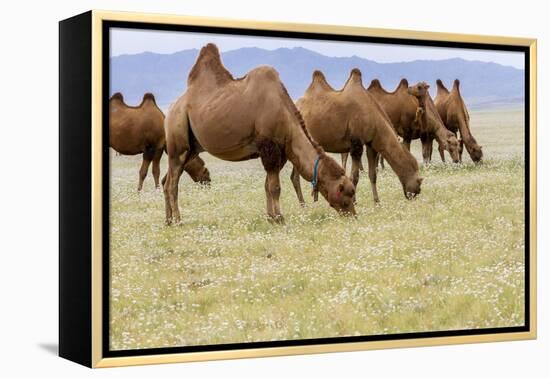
451,259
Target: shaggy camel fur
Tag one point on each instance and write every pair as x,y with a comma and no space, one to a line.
140,130
247,118
452,109
348,119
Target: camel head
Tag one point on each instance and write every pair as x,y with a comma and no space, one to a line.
476,153
452,146
336,187
411,187
409,177
196,168
419,90
203,176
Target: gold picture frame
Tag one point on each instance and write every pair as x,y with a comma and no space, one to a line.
91,328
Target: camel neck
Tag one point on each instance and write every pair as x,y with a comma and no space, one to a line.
465,132
302,154
433,122
386,143
399,160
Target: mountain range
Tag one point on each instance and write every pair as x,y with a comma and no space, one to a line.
165,75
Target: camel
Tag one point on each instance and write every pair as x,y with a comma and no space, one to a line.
453,111
247,118
346,120
413,115
140,130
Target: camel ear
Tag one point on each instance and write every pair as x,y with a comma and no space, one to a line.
420,179
427,86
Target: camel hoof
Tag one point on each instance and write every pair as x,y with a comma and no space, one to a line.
277,219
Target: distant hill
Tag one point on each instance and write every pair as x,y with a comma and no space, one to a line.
165,75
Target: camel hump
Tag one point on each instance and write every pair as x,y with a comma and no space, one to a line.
441,87
355,72
268,72
117,96
456,85
209,61
210,49
149,97
404,83
318,75
318,80
355,77
375,84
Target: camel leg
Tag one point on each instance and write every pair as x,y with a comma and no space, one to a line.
295,178
175,169
156,166
380,161
175,191
167,206
460,149
144,168
273,159
426,149
344,157
442,153
371,158
356,153
407,144
273,193
361,165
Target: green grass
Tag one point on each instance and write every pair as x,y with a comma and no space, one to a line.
451,259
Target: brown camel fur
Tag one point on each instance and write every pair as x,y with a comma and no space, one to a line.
453,111
413,115
348,119
246,118
140,130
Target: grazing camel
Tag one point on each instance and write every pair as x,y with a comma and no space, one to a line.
348,119
242,119
140,130
413,115
452,109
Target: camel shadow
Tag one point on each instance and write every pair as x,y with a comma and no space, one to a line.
51,348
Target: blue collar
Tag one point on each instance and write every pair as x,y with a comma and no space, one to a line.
314,180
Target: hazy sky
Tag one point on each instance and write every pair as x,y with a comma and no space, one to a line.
132,41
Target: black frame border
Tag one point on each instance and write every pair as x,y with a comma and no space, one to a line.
107,25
